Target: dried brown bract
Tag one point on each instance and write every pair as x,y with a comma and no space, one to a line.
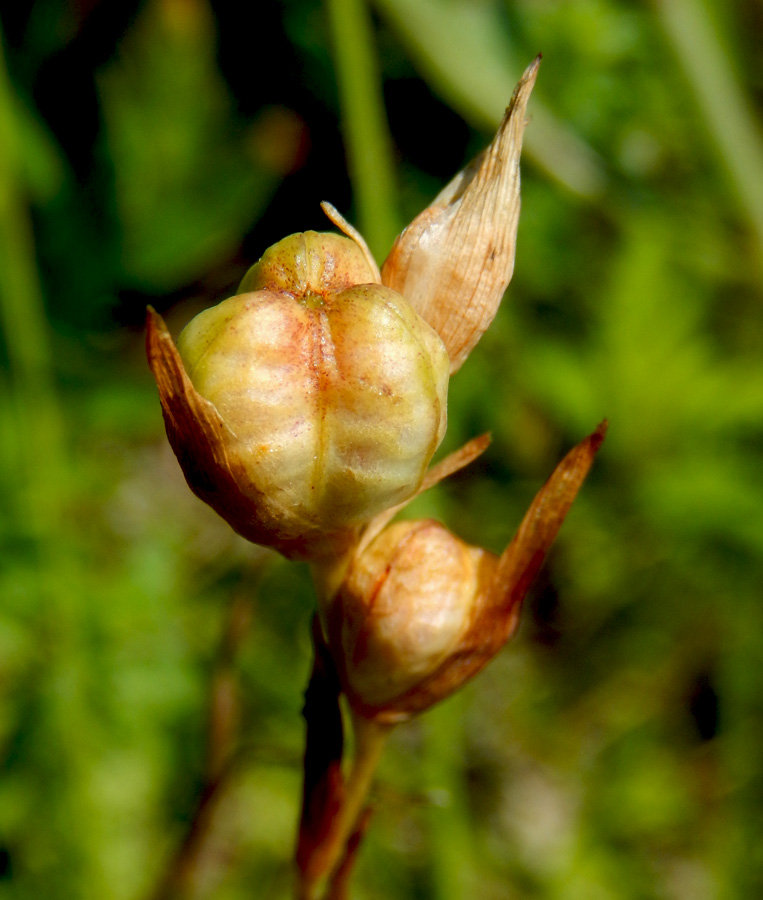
454,262
420,611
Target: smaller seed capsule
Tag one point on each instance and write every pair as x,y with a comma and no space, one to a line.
406,611
420,612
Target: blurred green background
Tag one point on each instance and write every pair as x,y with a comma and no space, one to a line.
149,152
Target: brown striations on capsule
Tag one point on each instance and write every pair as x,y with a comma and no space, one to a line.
304,406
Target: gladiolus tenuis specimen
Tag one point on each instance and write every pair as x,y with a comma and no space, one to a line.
306,409
414,612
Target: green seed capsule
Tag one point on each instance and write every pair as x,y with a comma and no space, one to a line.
331,388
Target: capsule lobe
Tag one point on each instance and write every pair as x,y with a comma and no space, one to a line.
333,391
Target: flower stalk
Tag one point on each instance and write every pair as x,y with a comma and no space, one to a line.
333,813
329,867
306,410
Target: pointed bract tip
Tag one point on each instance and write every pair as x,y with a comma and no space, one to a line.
599,434
532,70
524,87
454,262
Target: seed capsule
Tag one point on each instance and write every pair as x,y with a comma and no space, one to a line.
420,612
407,605
320,393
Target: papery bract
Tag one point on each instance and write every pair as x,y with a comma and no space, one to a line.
455,260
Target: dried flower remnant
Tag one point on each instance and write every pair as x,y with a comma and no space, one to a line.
454,262
309,402
404,609
420,611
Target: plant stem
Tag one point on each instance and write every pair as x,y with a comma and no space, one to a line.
27,339
370,738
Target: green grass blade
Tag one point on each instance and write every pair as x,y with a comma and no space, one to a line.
721,100
26,333
364,123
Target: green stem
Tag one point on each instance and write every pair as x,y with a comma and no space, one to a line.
728,115
37,475
370,739
22,315
444,47
364,122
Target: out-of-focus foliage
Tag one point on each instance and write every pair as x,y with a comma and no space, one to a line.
167,126
148,153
